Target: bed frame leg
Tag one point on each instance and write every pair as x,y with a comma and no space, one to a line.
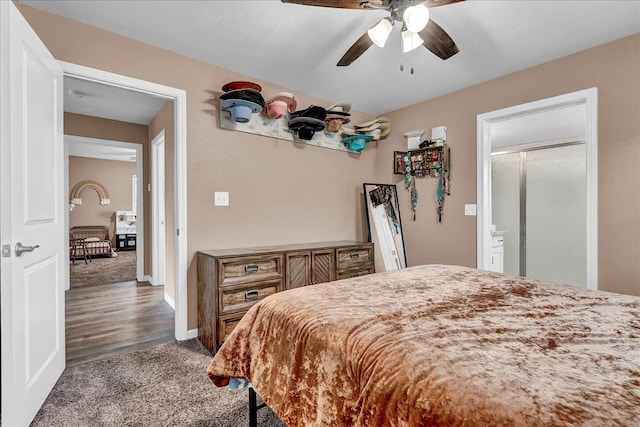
253,408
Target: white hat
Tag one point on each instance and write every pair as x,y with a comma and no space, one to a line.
339,110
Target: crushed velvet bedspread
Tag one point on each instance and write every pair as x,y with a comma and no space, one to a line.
440,346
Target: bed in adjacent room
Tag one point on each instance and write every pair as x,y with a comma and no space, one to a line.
440,345
94,238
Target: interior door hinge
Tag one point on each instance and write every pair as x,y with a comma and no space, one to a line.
6,251
177,231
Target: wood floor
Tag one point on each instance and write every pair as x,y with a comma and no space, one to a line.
107,320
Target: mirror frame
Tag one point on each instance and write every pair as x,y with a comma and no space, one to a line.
371,237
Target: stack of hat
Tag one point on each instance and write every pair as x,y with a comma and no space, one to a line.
305,123
378,128
355,139
278,106
337,115
241,99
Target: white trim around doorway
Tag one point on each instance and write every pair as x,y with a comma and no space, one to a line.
158,205
588,97
179,98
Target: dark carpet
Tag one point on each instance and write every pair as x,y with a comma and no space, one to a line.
103,270
162,386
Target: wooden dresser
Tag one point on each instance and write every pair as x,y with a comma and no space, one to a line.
230,281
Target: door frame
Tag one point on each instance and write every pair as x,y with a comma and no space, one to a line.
70,140
179,98
588,97
158,206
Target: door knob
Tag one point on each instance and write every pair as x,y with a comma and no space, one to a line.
22,249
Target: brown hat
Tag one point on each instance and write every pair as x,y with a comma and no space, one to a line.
228,87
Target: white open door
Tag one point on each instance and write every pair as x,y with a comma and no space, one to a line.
32,206
159,239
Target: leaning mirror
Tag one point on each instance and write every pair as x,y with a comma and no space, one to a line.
385,226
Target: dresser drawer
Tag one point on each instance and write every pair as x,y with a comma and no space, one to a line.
346,274
231,281
240,298
246,269
353,257
226,325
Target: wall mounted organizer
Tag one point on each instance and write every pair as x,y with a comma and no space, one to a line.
277,128
431,162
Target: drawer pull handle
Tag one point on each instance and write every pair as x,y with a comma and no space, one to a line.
250,268
355,255
251,294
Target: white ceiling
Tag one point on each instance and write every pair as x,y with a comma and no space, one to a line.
298,46
109,102
83,147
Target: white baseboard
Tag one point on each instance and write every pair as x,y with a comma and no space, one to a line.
147,278
192,333
170,301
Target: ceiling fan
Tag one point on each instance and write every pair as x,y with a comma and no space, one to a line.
417,28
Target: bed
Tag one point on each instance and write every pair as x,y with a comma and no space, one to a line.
95,238
440,346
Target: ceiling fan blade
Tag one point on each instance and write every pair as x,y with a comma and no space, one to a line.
343,4
436,3
438,41
357,49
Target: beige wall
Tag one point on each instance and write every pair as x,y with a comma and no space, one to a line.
279,192
614,69
163,120
115,178
95,127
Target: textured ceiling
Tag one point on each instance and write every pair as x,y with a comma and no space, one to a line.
109,102
80,147
298,46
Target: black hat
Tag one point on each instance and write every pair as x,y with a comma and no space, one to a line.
306,127
244,95
313,111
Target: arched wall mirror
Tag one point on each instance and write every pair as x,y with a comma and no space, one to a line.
385,226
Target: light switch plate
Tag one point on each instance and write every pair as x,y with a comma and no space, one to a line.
221,198
470,209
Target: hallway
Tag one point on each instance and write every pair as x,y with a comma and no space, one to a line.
107,320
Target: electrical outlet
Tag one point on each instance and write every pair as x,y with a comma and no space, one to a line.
221,198
470,209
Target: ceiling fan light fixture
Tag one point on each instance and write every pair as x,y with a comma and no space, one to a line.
410,41
416,17
380,32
